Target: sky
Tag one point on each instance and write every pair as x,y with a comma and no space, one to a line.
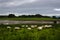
30,7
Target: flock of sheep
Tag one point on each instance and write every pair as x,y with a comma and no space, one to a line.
31,27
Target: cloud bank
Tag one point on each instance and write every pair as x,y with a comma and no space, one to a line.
30,7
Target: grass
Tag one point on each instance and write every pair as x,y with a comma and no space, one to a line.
27,19
34,34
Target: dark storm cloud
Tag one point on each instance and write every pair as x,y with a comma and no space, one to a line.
29,6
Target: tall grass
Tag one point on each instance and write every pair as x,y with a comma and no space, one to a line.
33,34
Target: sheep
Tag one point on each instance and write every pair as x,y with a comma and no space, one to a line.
40,28
35,25
50,25
32,26
26,25
47,26
8,27
23,25
29,28
17,28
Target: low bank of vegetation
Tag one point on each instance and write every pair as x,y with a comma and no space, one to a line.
9,32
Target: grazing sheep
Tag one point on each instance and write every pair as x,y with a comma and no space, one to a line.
26,25
50,25
29,28
32,26
47,26
23,25
8,27
35,25
40,28
17,28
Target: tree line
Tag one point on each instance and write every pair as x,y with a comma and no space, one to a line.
27,16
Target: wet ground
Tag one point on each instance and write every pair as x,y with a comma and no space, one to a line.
25,22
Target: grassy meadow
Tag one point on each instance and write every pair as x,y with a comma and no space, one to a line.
27,19
23,33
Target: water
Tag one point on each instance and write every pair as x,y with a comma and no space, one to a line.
25,22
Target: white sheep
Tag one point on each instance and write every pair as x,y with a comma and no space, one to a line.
48,26
40,28
8,27
23,25
26,25
35,25
29,28
17,27
32,26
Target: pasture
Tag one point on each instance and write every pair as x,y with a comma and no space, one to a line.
30,32
27,19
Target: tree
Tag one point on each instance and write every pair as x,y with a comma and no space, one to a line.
54,17
38,15
58,17
11,15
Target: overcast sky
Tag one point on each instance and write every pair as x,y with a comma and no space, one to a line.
19,7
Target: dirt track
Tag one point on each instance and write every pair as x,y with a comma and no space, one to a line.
25,22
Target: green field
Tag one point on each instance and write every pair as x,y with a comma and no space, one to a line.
27,19
52,33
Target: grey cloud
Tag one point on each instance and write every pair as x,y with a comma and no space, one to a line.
40,6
